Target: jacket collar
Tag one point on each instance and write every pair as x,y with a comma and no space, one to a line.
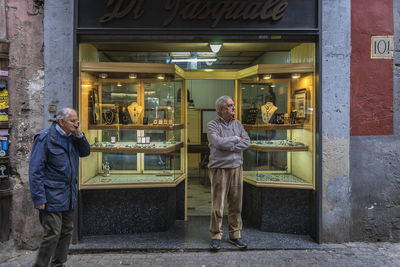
61,131
53,134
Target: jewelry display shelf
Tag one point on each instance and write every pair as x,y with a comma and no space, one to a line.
280,181
277,145
165,127
270,126
160,148
262,148
133,181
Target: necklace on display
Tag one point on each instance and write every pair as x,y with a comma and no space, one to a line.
267,111
134,111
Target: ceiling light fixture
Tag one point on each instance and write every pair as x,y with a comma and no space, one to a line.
132,75
215,46
194,60
161,76
119,84
103,75
267,77
295,75
272,85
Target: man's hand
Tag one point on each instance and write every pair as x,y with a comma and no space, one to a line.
78,130
41,207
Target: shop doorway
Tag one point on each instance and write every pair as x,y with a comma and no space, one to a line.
201,109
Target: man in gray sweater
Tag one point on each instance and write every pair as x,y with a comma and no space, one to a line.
227,139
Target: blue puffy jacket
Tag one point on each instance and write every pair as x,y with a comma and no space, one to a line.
53,170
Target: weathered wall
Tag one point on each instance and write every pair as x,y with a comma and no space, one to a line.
396,69
3,21
335,88
375,160
26,76
58,55
371,110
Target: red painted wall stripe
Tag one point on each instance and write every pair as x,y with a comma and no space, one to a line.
371,94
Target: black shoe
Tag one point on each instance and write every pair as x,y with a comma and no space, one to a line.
239,243
215,244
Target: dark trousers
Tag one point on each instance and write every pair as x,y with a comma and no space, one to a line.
58,227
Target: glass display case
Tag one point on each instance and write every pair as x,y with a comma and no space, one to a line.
135,126
278,116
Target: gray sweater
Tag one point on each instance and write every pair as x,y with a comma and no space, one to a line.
226,148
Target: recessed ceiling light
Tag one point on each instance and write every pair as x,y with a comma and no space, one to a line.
295,75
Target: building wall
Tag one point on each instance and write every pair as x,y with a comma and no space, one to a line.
24,31
58,56
375,140
335,90
357,171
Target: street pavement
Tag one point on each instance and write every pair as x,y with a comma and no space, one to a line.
349,254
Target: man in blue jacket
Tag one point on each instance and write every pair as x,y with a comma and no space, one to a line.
53,172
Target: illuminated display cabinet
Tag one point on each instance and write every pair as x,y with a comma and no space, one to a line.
277,111
134,123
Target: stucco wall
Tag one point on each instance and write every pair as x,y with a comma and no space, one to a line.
335,88
58,56
26,77
375,160
374,157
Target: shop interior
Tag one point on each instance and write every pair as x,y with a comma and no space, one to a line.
144,107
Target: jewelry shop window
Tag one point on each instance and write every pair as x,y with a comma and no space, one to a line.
277,111
134,123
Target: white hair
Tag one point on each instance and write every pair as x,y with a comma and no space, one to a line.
64,113
220,103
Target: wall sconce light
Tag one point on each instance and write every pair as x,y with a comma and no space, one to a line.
161,76
272,85
103,75
262,88
119,84
215,46
132,76
267,77
295,75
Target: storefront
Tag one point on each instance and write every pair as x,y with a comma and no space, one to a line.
146,83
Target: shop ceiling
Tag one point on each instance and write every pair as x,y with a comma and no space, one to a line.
231,56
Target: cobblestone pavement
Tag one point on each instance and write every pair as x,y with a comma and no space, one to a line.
353,254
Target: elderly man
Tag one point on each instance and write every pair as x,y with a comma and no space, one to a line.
53,172
227,139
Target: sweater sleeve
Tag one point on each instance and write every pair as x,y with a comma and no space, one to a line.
215,139
244,143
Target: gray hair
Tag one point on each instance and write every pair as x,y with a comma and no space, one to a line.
221,103
64,113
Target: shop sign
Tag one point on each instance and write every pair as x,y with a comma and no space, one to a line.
3,73
196,14
3,99
382,47
3,117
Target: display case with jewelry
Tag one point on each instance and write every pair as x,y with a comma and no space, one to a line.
281,153
134,124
